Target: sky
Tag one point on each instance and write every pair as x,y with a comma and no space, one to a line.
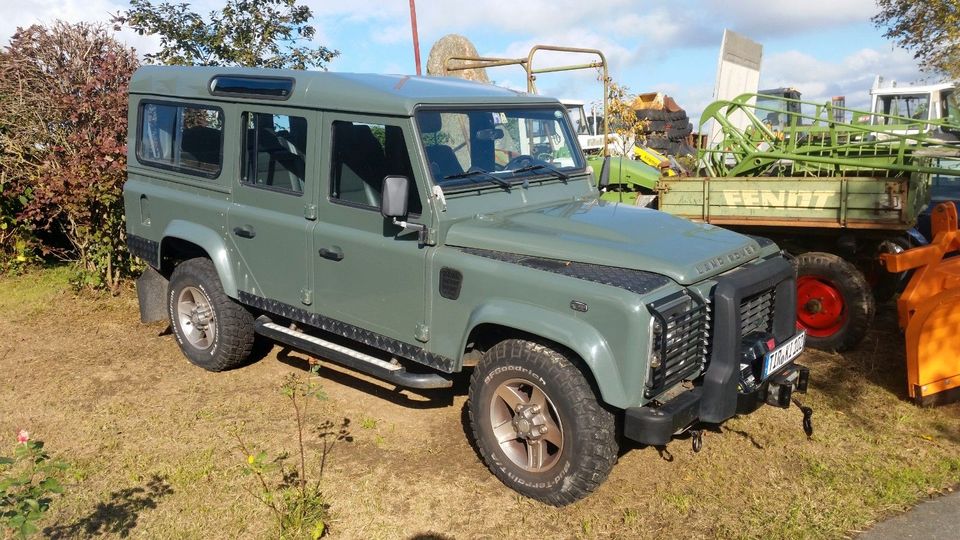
823,48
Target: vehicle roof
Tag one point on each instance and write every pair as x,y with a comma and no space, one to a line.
357,92
778,91
911,89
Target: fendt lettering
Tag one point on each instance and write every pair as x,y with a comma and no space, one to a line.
778,198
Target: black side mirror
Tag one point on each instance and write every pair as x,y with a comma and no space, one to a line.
394,197
604,180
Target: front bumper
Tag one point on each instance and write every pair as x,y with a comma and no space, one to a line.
719,395
655,426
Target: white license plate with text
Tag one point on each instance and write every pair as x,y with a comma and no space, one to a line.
784,354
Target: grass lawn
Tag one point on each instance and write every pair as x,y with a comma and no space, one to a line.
147,436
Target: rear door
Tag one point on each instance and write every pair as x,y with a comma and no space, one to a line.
368,273
273,211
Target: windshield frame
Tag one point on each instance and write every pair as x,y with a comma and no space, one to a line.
478,182
582,116
885,103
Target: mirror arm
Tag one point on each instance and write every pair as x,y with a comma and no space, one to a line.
419,227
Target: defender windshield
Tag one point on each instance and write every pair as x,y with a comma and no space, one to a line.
497,145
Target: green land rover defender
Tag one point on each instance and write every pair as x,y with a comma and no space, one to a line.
413,227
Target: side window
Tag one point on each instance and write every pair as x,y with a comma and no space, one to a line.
363,154
186,138
274,151
950,102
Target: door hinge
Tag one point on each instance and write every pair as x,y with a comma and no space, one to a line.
306,297
422,333
310,211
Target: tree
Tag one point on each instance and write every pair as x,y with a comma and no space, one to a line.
63,132
255,33
930,29
622,119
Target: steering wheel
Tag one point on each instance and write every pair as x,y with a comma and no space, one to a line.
523,160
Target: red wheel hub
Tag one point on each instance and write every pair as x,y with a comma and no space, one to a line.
820,307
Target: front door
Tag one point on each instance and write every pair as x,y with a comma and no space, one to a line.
271,218
367,272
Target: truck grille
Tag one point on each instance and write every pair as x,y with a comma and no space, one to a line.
682,343
756,313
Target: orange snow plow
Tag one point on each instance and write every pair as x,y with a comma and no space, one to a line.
929,310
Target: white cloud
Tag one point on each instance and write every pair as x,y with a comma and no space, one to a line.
46,12
392,35
850,76
762,18
634,36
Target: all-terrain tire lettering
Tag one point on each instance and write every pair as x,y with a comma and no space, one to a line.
234,338
589,442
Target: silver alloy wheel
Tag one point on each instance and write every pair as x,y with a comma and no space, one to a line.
197,318
526,425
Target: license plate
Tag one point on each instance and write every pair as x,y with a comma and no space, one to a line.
784,354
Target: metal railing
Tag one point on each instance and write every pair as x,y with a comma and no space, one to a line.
463,63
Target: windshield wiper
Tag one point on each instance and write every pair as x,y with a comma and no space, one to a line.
557,172
479,172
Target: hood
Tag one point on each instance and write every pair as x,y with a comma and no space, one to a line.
610,234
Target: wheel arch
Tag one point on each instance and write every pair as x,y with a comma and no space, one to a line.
183,240
498,320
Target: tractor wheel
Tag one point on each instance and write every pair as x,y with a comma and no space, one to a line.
835,305
679,130
655,126
651,114
657,142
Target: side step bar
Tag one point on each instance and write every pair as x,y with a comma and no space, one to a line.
350,358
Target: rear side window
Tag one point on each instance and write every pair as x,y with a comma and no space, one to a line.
274,151
185,138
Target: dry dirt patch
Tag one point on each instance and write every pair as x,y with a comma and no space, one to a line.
147,436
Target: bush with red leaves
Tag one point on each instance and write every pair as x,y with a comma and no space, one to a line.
63,131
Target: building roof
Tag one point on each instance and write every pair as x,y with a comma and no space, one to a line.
357,92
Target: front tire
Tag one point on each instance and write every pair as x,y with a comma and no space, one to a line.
538,423
213,331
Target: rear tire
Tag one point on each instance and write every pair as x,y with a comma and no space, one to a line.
651,114
835,305
556,453
213,331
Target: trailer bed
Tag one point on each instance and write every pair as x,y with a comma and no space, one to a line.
888,203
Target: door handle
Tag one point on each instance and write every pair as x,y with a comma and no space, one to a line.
246,231
334,253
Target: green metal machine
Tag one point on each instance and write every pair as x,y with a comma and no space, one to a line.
834,193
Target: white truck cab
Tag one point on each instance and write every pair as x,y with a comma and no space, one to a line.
921,102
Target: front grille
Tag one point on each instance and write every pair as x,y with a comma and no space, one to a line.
756,313
682,342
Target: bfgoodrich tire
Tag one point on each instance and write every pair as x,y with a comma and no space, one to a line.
213,331
538,424
835,304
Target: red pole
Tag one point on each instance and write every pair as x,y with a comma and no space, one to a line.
416,38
